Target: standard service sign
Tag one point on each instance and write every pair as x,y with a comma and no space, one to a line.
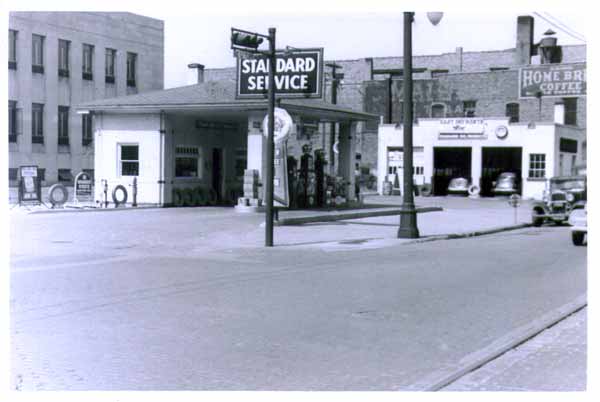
298,74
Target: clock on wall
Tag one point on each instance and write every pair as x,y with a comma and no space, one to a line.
501,132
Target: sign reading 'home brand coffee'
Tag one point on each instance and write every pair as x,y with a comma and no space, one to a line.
297,74
558,80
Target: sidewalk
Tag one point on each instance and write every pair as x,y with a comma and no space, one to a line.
200,230
554,360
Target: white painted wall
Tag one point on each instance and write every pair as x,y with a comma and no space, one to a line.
543,138
115,129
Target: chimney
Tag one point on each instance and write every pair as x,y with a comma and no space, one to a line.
200,68
459,59
525,48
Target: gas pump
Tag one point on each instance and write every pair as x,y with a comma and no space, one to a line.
307,177
320,177
292,171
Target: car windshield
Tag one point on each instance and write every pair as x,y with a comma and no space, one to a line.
569,185
506,176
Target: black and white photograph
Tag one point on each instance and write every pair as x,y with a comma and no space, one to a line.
324,200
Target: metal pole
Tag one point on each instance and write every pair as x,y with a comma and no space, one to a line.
408,219
334,85
270,144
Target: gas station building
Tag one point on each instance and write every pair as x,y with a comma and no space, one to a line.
200,137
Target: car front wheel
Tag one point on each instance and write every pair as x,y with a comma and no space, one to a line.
537,218
577,238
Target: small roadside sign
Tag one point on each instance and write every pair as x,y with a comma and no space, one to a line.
83,187
30,191
514,200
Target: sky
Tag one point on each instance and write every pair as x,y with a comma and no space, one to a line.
346,36
199,31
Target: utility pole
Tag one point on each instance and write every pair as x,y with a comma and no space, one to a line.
335,80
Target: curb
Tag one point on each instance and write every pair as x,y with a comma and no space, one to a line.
79,210
447,375
471,234
345,215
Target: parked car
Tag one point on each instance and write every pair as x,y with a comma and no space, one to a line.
564,195
458,185
578,222
505,184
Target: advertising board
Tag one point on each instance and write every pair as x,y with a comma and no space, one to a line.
298,74
553,80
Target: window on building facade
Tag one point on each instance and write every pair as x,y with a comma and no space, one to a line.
65,176
63,125
12,49
13,174
512,112
63,57
88,62
537,165
109,66
37,123
469,108
37,54
438,111
187,161
86,130
129,163
41,173
570,111
14,121
131,66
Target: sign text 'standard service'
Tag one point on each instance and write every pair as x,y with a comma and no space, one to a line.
297,74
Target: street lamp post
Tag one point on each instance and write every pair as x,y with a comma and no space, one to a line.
408,218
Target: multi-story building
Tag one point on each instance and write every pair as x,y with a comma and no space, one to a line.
59,59
477,115
474,84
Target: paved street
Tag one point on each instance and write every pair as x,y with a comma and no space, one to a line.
554,360
186,299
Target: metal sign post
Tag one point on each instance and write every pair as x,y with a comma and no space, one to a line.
295,73
514,201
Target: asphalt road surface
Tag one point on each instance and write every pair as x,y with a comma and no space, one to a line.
379,318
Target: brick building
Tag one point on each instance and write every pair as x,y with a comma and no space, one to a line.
478,84
60,59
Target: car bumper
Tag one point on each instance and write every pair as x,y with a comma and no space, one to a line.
503,191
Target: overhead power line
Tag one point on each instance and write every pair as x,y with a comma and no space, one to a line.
564,25
559,27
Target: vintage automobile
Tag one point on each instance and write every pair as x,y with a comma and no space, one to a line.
458,185
578,222
564,194
505,184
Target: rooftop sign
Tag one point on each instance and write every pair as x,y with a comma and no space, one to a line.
557,80
298,74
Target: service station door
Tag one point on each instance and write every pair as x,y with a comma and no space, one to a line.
395,163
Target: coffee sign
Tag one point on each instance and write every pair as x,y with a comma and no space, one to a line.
553,80
298,74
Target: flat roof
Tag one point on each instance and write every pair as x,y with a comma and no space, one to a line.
218,96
